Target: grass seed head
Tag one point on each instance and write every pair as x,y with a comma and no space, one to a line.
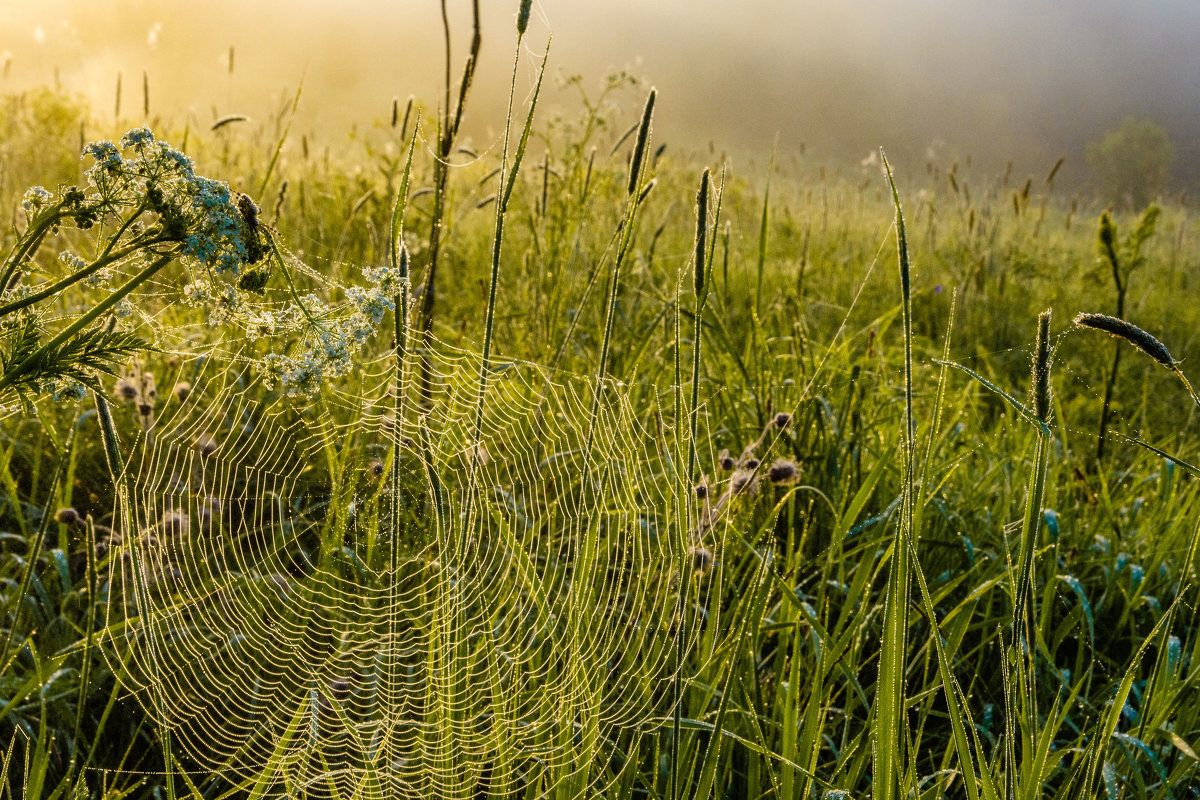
523,16
701,232
1042,353
1108,231
643,138
1131,333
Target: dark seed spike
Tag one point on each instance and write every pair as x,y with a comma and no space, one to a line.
523,16
1131,333
701,231
643,138
1040,384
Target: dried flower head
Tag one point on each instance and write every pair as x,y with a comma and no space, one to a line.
726,461
339,689
701,490
782,420
174,523
702,559
126,389
783,471
375,468
743,482
66,516
182,390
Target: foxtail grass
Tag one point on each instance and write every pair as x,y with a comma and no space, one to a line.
507,181
890,720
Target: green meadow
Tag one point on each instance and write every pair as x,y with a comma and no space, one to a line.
575,463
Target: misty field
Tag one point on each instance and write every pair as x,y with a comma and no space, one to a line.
573,464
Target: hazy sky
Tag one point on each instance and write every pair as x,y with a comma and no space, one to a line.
1022,79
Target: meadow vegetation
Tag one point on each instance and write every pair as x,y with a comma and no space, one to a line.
895,525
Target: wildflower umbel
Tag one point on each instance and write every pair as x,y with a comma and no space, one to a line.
200,214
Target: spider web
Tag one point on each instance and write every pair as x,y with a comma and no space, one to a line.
362,598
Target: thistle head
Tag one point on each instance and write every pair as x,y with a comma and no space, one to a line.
784,471
174,522
126,389
743,482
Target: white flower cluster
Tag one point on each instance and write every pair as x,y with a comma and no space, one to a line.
150,194
35,199
66,391
198,212
330,341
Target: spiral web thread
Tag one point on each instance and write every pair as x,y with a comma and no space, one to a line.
292,631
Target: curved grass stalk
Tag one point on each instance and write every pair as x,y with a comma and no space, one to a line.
507,178
889,734
905,547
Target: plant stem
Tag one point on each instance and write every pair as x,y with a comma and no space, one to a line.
104,306
100,263
30,243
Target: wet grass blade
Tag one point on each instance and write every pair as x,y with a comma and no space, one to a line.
889,728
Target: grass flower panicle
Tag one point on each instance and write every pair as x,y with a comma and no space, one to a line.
1131,333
